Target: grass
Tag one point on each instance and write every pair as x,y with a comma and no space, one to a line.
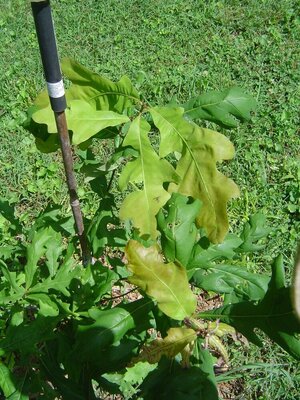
176,49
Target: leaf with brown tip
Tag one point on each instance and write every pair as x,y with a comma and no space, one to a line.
201,150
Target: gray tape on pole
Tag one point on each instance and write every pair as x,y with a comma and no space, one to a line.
56,90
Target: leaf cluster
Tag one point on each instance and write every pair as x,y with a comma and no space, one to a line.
129,323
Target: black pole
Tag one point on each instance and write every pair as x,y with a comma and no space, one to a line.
46,37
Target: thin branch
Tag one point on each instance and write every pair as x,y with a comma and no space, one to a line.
120,295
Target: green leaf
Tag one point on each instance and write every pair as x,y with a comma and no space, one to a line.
109,327
175,341
137,373
142,205
8,212
44,141
9,251
93,169
166,283
27,335
172,381
11,278
48,145
224,108
19,393
201,150
95,281
253,231
55,216
176,223
133,377
6,382
60,282
68,388
119,156
118,355
274,314
103,230
35,251
48,307
53,252
224,278
203,359
126,384
205,253
82,118
4,299
202,256
99,91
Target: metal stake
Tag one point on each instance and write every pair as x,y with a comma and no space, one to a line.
46,37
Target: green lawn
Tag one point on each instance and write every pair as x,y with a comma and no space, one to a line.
176,49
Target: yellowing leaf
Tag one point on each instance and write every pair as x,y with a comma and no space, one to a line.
216,344
175,342
220,329
217,330
97,90
142,205
201,150
166,283
82,118
85,121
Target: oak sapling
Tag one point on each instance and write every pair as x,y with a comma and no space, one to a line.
131,322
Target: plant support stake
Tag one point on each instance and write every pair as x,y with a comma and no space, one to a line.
49,55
